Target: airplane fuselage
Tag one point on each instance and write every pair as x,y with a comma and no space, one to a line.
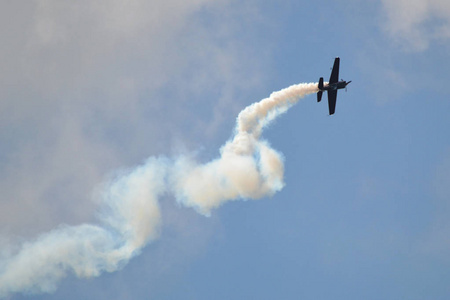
335,86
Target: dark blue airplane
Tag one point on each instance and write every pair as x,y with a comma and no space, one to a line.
332,86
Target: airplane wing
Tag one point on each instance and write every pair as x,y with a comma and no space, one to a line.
335,73
332,95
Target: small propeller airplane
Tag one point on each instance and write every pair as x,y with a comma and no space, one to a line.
332,86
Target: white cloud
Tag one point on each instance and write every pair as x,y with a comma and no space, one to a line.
87,87
417,23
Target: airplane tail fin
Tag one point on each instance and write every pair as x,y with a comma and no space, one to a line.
319,93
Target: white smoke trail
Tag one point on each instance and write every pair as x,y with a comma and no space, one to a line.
130,219
130,216
247,167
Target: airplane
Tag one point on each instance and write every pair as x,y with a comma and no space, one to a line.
332,86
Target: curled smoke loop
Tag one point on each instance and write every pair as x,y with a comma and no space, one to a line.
130,217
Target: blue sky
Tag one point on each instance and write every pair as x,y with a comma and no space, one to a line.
89,89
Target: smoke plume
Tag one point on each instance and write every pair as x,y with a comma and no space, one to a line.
130,217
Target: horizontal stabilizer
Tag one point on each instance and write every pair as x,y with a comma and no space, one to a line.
321,83
319,96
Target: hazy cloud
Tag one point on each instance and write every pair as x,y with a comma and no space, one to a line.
87,87
417,23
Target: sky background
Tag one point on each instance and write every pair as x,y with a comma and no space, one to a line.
91,87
